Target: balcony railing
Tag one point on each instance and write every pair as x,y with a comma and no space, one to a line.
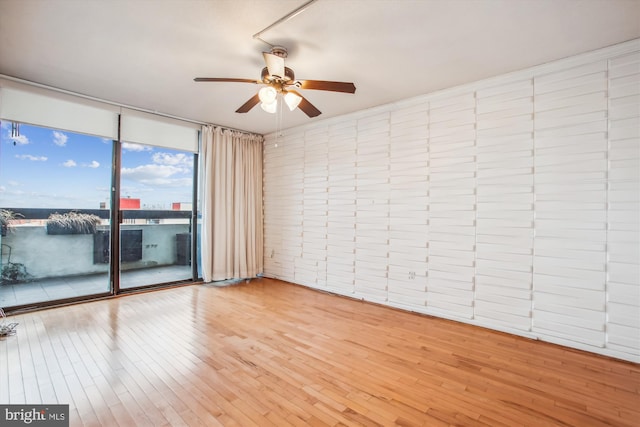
43,213
156,238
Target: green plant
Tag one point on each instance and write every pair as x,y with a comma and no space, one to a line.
72,223
6,217
15,272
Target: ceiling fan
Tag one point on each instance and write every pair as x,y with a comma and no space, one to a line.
280,80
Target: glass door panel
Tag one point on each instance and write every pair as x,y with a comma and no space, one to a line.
156,188
54,201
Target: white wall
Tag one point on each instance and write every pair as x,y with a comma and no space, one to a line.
511,203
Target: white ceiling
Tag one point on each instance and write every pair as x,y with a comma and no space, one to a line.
145,53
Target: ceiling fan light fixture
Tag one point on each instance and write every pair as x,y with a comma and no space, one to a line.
267,95
293,100
270,107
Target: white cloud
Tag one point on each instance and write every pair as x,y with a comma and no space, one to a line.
32,158
93,165
18,192
69,164
59,138
179,159
156,175
135,147
12,185
20,139
136,189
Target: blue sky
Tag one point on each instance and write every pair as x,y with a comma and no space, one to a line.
47,168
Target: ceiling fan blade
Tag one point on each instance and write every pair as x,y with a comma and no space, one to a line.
330,86
308,108
244,108
275,64
223,79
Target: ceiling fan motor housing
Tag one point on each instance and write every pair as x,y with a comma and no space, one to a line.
289,76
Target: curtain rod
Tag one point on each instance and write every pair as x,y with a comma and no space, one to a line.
116,104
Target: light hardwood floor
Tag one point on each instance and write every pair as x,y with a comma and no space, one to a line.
268,353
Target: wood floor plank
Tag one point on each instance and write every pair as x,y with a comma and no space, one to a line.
121,415
269,353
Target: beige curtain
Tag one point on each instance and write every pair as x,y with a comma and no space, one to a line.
231,177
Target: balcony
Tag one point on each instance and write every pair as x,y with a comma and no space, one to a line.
40,267
51,289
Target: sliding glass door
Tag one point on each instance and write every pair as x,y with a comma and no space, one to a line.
94,200
54,200
63,195
156,187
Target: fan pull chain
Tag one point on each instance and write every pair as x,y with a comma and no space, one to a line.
278,120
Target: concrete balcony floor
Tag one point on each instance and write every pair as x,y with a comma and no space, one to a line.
43,290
